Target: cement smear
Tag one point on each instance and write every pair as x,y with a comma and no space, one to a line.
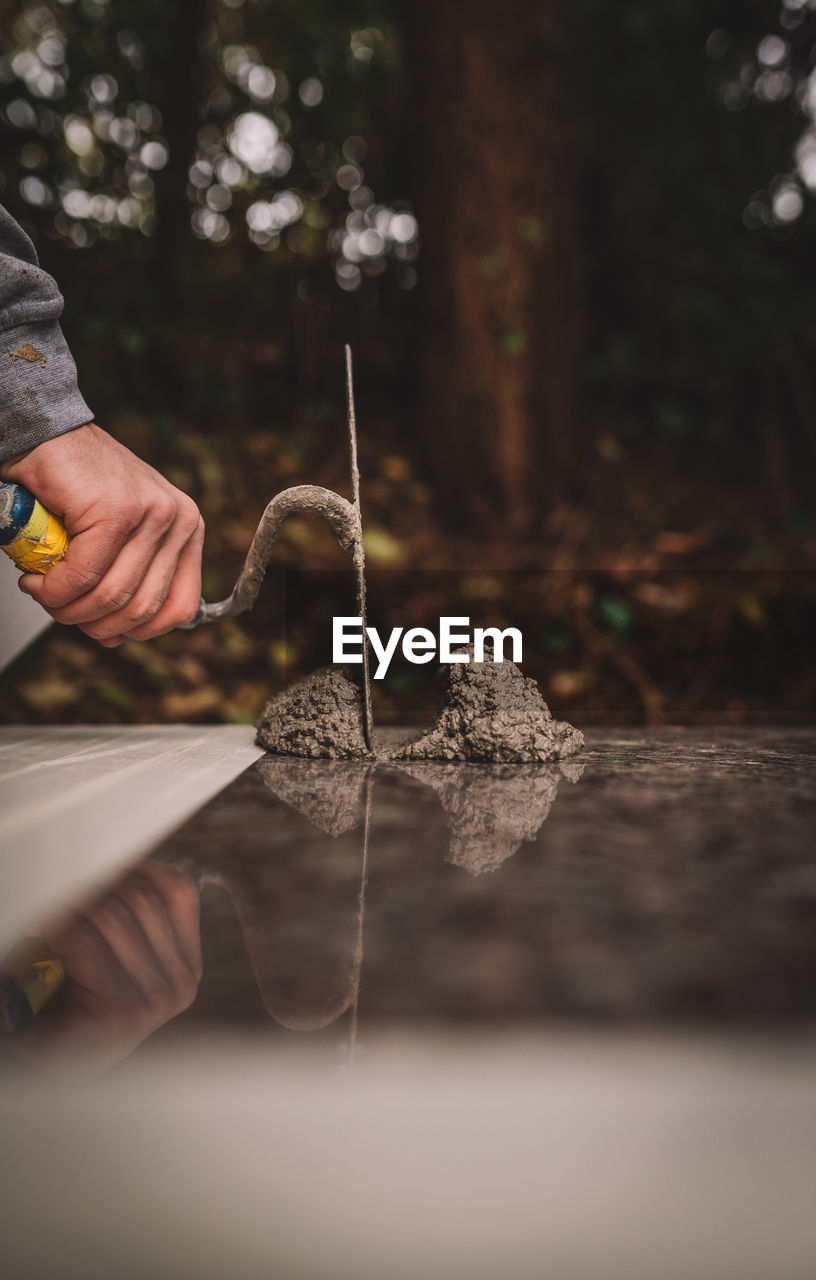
493,714
320,717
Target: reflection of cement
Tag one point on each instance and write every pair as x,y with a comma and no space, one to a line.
675,883
330,793
307,979
494,714
493,808
337,988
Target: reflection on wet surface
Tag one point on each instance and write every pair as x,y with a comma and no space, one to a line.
667,877
130,960
523,969
493,809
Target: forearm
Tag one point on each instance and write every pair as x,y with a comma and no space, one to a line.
39,396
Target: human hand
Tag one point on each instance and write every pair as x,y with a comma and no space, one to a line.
132,962
133,566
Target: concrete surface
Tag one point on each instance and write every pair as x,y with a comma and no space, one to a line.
78,803
435,1039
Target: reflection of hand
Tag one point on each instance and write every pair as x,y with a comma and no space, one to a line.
133,566
132,961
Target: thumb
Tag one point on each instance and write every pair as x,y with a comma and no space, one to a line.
27,583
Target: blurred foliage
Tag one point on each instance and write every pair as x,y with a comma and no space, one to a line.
102,96
622,647
699,175
224,190
249,163
207,182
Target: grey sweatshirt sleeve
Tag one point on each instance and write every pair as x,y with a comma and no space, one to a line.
39,397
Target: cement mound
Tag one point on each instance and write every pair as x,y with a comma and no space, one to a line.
493,714
320,717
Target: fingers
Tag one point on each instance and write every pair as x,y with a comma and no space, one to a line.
160,558
90,555
117,922
88,958
184,596
134,560
140,940
150,922
178,922
114,590
168,593
133,962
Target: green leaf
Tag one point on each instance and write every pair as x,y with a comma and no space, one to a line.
616,614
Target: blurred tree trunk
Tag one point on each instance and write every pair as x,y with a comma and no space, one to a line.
181,76
500,266
179,39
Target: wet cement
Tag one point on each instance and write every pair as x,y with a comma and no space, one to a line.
320,717
491,714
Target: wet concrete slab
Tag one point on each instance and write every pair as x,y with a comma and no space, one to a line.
79,802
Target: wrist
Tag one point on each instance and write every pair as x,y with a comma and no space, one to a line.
23,467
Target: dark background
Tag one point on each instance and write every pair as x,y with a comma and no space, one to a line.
573,245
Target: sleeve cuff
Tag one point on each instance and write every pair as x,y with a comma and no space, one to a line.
39,396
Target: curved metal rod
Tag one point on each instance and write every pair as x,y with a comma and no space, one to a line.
341,515
345,519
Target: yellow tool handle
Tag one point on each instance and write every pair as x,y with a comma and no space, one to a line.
29,977
36,539
32,536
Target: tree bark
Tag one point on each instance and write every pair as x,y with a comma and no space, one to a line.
179,65
500,266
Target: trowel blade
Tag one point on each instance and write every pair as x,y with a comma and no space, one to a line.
359,556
